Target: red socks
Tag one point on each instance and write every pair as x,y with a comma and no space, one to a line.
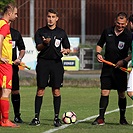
4,108
0,112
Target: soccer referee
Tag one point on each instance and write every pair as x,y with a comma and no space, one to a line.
117,41
51,42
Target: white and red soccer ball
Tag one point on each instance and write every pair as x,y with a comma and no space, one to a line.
69,117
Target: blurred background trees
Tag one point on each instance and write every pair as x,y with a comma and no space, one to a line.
4,2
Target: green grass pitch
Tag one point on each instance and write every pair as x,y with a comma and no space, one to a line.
83,101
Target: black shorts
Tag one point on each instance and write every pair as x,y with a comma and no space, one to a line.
49,73
114,79
15,78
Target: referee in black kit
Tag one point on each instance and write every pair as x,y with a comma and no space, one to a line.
117,40
49,69
15,95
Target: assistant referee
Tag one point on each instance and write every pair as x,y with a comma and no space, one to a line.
117,42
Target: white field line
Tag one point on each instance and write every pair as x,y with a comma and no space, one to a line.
79,121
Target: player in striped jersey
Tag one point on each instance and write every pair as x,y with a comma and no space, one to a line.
9,15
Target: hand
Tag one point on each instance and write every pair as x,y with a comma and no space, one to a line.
99,58
17,62
46,40
119,64
65,51
4,60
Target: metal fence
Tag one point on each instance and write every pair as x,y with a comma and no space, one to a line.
88,60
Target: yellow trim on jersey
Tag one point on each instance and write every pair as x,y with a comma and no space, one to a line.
4,82
10,83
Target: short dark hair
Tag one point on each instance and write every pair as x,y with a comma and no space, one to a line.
52,11
121,15
8,7
130,18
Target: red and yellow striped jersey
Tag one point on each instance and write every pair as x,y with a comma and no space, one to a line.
7,43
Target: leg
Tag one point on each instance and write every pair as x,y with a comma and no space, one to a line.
15,98
5,104
130,94
104,100
15,95
56,101
0,105
130,85
57,104
38,101
6,85
38,104
122,102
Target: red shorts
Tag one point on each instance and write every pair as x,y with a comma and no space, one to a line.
6,76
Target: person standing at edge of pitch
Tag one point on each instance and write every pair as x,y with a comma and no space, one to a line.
9,15
117,40
49,69
130,80
17,42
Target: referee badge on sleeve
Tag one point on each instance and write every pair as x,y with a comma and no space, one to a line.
121,45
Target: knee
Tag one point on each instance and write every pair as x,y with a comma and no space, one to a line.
105,92
15,92
6,92
130,94
40,92
122,94
56,92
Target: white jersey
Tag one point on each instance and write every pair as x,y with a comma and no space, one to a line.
130,82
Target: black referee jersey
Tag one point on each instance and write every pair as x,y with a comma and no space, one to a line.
17,42
58,39
116,47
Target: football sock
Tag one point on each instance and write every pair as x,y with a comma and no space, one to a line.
38,103
16,103
0,115
57,103
0,111
104,100
122,106
131,97
4,108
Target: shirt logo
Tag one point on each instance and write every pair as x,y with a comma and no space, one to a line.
121,45
57,42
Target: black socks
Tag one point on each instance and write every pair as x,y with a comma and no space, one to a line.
16,103
122,106
38,103
104,100
57,103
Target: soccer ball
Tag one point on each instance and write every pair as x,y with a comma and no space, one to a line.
69,117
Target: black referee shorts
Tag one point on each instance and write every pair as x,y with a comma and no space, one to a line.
49,73
15,78
116,80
